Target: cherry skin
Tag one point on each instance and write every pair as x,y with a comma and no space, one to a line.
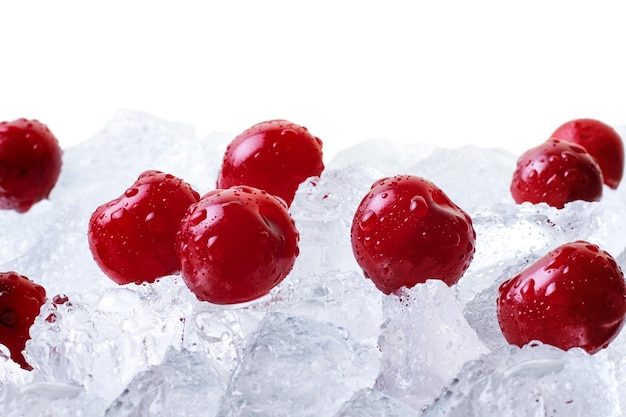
236,244
30,163
601,141
20,303
132,238
575,296
275,156
556,172
406,230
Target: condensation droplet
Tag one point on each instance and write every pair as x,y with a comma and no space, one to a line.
131,192
368,221
418,206
198,217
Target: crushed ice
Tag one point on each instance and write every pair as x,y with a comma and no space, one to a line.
323,343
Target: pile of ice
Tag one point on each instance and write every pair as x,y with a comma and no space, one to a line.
323,343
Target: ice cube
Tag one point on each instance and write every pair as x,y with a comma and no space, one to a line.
537,380
184,384
370,402
296,366
481,311
425,341
388,158
473,177
323,210
48,399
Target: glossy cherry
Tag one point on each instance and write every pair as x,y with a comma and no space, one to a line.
20,303
132,238
235,245
574,296
406,230
556,172
275,156
30,163
601,141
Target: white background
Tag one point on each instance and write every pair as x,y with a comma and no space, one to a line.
492,73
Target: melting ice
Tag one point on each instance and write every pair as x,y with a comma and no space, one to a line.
323,343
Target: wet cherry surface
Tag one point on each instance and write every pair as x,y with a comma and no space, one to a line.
406,230
236,244
574,296
275,156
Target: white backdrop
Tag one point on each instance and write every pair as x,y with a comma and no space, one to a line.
492,73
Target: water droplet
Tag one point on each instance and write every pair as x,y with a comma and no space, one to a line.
418,206
552,179
368,221
528,290
131,192
198,217
550,289
118,214
211,241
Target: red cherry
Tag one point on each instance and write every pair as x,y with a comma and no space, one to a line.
275,156
575,296
30,163
235,245
601,141
132,238
20,303
406,231
556,172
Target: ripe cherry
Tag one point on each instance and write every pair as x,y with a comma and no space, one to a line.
601,141
235,245
574,296
30,163
406,230
275,156
20,303
132,238
556,172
